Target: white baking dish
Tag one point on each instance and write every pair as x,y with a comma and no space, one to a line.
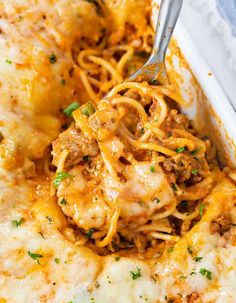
221,124
207,105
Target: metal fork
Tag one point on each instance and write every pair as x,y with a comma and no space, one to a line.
154,70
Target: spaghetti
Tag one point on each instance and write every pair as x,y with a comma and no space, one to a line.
144,179
139,172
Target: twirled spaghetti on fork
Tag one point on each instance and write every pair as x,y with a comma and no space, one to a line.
131,171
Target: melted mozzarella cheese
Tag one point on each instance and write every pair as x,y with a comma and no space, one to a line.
67,272
32,88
203,262
37,263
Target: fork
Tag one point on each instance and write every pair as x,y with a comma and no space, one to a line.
154,70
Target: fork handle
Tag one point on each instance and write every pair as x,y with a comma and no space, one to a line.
167,18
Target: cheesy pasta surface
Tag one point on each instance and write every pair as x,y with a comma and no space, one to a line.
107,192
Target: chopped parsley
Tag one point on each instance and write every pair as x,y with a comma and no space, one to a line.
57,260
173,186
16,223
89,233
117,258
195,171
59,177
193,273
180,149
136,274
182,277
156,200
144,298
190,250
35,256
195,151
63,202
201,209
88,109
52,58
108,280
206,273
142,130
197,259
152,169
63,82
170,249
70,108
8,61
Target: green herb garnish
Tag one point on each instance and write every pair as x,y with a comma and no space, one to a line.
63,202
201,209
206,273
136,274
35,256
16,223
88,109
182,277
142,130
190,250
152,169
70,108
57,260
89,233
52,58
63,82
180,149
8,61
197,259
59,177
195,171
173,186
195,151
117,258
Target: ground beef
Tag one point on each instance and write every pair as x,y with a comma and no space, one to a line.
220,225
185,168
77,144
176,120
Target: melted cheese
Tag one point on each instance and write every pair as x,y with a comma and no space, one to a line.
180,273
31,94
30,86
70,273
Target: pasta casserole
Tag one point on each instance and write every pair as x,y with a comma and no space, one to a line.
108,192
